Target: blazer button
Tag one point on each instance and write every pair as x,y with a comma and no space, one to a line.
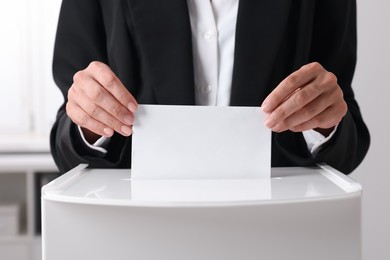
209,35
206,89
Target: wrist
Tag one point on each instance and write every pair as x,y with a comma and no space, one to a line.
324,131
90,136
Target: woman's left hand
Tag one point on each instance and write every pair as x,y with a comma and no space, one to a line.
309,98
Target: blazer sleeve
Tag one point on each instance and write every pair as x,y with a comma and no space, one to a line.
80,39
334,46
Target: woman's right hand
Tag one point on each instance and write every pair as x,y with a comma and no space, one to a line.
99,103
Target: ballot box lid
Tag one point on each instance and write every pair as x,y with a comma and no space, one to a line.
115,187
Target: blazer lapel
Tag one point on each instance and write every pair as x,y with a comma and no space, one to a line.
259,32
164,33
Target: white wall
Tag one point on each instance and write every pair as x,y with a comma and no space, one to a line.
29,98
372,88
14,57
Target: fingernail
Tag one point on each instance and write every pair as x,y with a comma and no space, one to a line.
128,120
269,122
126,130
132,107
108,131
265,107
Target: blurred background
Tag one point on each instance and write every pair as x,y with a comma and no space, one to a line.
29,100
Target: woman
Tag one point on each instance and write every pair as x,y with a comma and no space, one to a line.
294,58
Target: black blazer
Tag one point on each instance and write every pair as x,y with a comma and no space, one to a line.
147,43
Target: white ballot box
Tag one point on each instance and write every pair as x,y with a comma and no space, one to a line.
298,213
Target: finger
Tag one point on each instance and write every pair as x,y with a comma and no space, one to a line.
99,114
330,100
81,118
302,115
97,97
107,78
289,85
296,102
328,118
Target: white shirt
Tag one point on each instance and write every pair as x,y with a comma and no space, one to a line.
213,27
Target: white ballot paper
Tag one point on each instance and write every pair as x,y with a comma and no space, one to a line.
200,142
